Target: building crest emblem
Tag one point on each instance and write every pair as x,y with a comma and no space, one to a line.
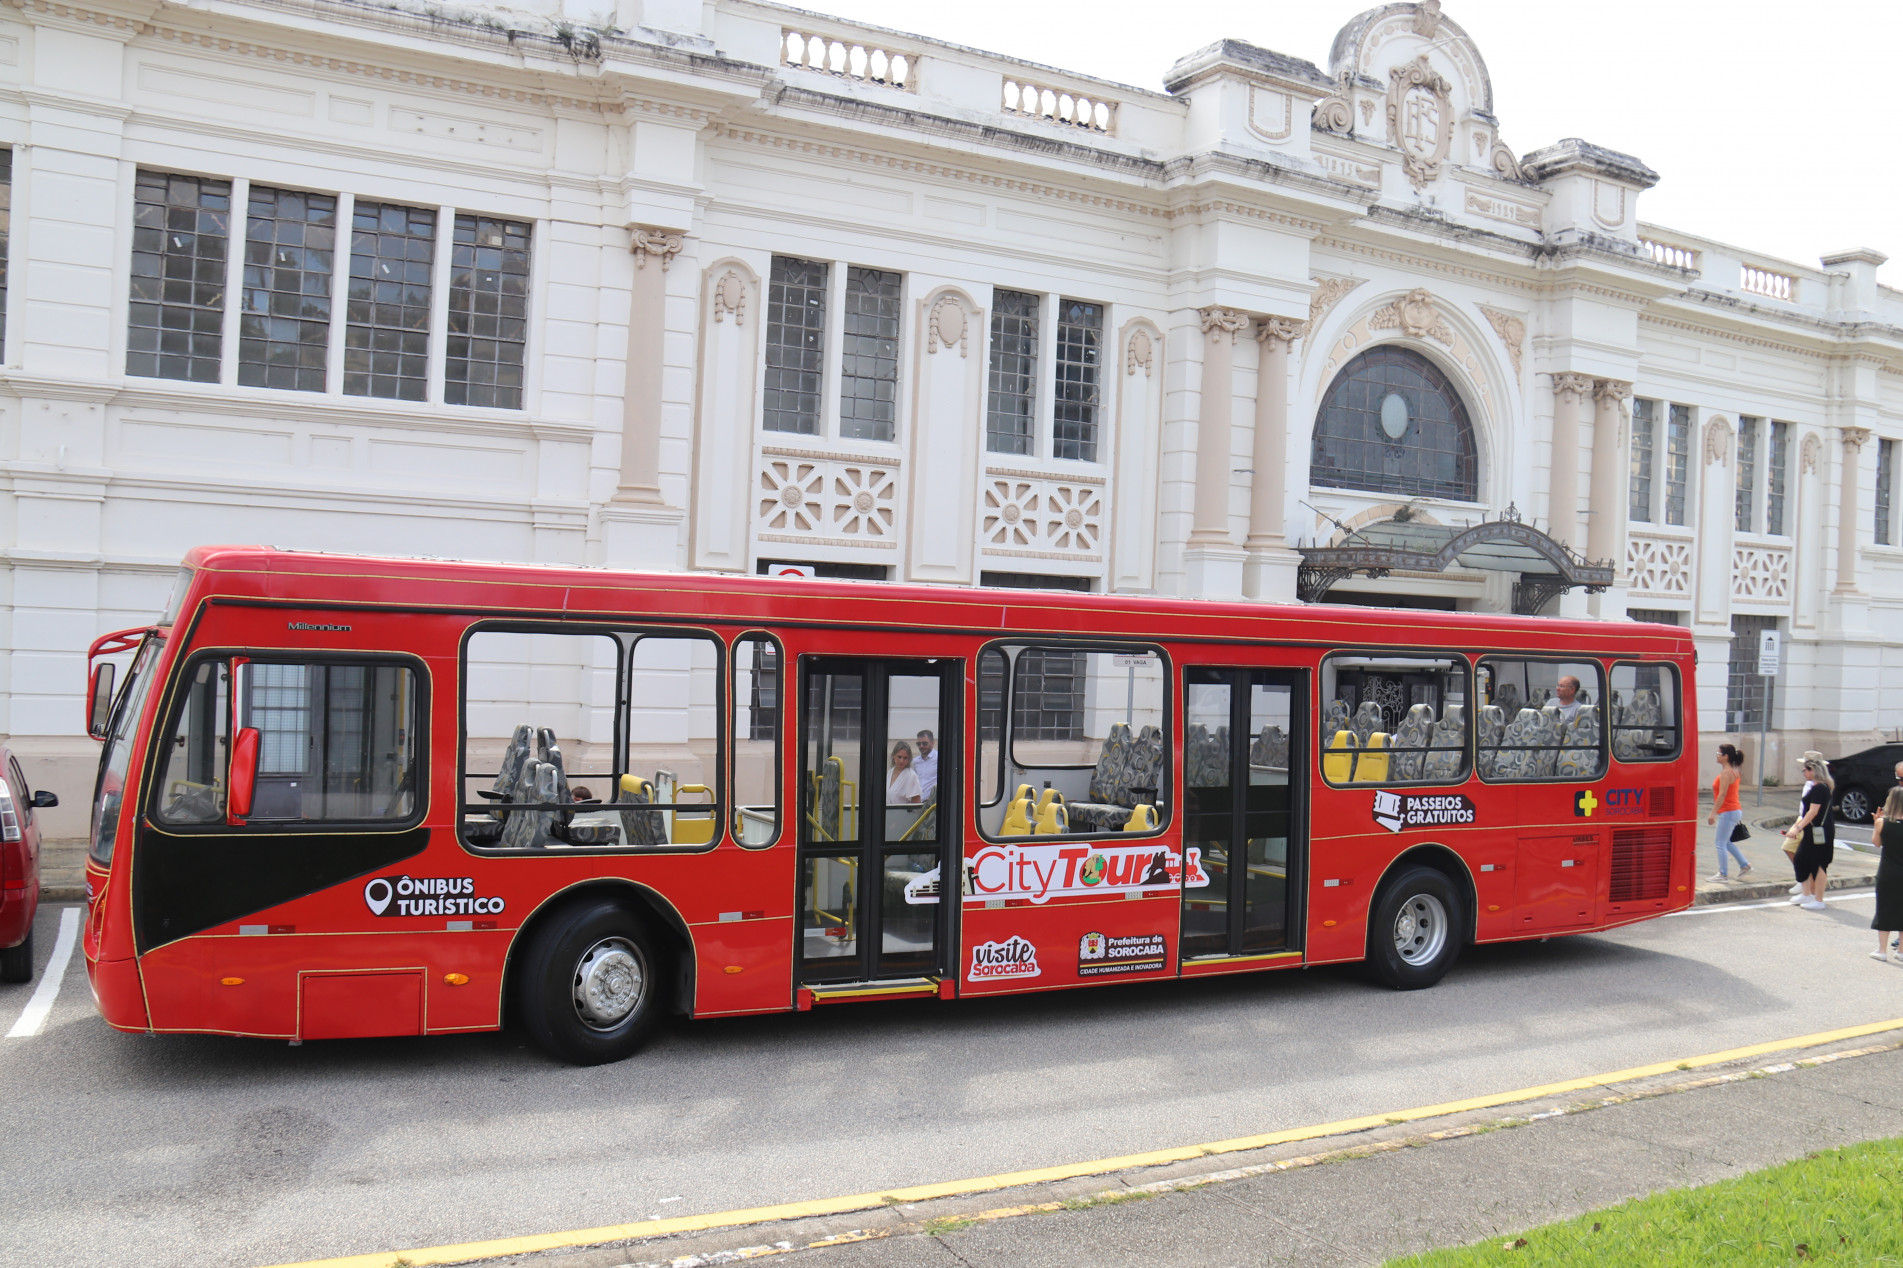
1420,119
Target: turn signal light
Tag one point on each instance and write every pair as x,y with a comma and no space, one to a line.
1328,924
734,968
231,981
456,979
1493,906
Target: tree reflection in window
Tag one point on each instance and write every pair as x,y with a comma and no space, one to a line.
1392,423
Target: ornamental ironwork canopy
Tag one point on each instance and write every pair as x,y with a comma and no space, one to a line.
1545,566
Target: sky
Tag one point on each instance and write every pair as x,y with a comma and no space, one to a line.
1772,127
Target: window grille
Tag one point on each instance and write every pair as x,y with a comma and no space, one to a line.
1434,455
1780,465
1079,368
280,700
869,366
1746,503
284,322
795,344
1678,460
1744,689
488,312
180,229
1886,474
386,337
1639,486
1011,403
1047,702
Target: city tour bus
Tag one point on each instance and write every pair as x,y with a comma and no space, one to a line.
350,797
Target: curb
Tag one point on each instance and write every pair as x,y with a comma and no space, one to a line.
1759,891
63,893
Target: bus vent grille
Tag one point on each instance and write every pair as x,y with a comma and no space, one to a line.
1641,864
1662,802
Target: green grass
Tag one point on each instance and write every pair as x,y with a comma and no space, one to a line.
1842,1206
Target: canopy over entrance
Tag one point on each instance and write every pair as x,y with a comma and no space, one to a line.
1545,566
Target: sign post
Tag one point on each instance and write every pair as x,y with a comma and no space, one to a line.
1770,660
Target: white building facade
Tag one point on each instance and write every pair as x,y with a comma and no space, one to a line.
719,285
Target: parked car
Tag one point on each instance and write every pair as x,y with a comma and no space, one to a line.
19,868
1864,780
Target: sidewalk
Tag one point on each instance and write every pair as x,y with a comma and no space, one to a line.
63,870
1771,875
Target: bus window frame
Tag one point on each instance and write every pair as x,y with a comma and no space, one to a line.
179,685
732,750
624,655
1678,712
1167,777
1605,726
1469,738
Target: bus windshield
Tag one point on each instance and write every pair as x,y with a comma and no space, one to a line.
109,794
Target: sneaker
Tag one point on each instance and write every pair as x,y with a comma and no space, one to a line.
1797,899
1744,871
1879,955
1718,876
1896,957
1798,888
1814,904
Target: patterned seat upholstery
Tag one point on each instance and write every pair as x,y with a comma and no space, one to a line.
1127,774
1206,757
641,827
1491,734
1449,743
1334,718
1367,721
1581,760
1270,749
1112,765
1545,763
545,784
1515,759
1632,726
1508,698
1412,736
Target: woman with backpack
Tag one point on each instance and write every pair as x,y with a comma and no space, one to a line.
1727,811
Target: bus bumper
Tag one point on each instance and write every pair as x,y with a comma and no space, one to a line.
117,992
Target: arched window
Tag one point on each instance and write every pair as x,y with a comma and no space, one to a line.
1392,423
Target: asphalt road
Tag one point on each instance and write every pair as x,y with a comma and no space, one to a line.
209,1152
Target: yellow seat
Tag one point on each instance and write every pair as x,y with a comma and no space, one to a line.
1371,767
1053,816
1338,763
634,784
1017,815
691,828
1142,818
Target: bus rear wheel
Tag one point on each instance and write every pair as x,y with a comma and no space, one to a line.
1414,931
592,983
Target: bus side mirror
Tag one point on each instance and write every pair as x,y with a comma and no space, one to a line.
99,700
244,775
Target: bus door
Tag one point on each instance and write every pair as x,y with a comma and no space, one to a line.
1243,760
878,789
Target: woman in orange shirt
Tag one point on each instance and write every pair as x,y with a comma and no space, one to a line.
1726,810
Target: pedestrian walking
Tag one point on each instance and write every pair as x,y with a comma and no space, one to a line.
1889,838
1727,811
1814,834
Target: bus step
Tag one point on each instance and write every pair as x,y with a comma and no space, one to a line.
861,992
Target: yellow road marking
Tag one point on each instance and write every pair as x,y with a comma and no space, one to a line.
501,1246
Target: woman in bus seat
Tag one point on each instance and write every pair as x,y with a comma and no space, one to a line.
901,784
1815,833
1727,812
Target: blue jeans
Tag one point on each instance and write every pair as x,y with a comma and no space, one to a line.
1727,821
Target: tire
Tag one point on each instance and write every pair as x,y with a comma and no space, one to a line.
592,983
1415,930
1853,805
16,963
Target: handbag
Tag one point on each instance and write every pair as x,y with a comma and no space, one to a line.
1739,832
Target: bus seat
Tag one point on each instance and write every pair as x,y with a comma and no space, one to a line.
641,827
1371,767
1053,816
1142,818
1017,815
691,828
1338,763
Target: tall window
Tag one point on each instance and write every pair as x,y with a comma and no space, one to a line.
1744,689
1746,495
1011,403
1780,467
795,344
1886,476
1079,361
181,226
386,338
1392,423
869,369
1639,483
488,312
6,226
284,324
1678,460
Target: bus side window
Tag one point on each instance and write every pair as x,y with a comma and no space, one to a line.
1394,719
192,780
1541,720
1645,712
756,740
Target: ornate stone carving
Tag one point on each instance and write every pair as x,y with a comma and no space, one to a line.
1718,442
1575,385
1328,292
1659,565
1420,119
662,244
1512,332
1505,165
1218,320
1335,113
1027,516
1283,330
730,296
1427,19
1417,317
1612,390
831,497
948,325
1808,453
1855,438
1761,573
1140,354
1367,112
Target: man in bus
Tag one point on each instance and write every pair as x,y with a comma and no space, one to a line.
1568,698
926,767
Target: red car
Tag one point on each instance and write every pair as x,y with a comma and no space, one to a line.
19,868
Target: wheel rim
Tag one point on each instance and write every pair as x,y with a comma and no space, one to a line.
1854,805
1420,929
610,983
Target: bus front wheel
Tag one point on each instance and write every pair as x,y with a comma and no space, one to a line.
592,983
1414,931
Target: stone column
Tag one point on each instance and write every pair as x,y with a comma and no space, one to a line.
1212,559
1269,555
1847,513
654,250
1562,512
1605,531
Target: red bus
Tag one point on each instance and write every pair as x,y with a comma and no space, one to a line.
345,797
